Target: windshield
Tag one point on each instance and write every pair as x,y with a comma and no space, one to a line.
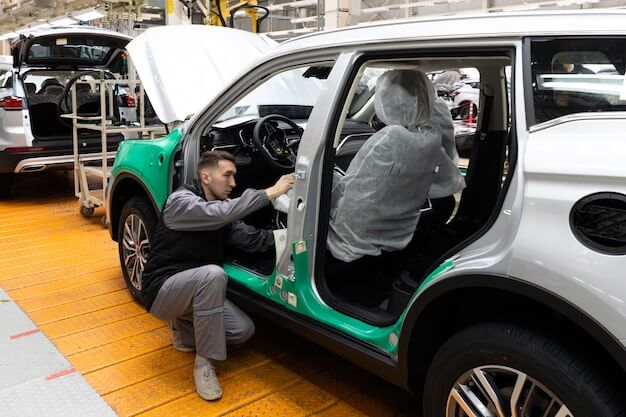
292,93
80,50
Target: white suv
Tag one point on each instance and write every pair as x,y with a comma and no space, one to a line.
35,91
509,303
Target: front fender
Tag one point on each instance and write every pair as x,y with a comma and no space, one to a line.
151,162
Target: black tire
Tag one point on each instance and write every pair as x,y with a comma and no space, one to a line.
464,111
493,350
137,209
6,180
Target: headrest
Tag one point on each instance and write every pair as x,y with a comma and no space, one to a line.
404,97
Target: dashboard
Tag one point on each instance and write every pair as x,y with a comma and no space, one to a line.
236,137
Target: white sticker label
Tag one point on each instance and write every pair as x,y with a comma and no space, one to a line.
278,282
61,41
292,299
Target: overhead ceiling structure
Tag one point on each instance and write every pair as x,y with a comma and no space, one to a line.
286,18
21,15
292,17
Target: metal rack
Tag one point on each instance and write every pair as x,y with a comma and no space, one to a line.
89,198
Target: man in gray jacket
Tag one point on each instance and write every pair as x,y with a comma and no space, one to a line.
184,282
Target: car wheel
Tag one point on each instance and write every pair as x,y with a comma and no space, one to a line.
5,185
503,370
87,211
135,228
464,111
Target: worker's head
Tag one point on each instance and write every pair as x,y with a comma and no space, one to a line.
216,173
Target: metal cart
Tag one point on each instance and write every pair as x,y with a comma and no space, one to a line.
89,198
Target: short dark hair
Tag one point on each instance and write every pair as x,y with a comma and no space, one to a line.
210,159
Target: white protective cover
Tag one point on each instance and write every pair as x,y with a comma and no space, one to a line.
376,205
183,67
448,179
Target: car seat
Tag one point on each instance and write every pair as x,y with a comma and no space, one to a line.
50,86
30,88
375,207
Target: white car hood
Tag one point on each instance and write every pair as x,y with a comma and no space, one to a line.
184,67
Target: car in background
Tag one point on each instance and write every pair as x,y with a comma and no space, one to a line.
513,304
466,98
35,90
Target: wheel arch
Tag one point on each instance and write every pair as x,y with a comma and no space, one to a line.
453,304
125,187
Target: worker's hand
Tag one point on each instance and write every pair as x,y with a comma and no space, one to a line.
284,184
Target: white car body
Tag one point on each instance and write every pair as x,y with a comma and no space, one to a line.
537,243
33,137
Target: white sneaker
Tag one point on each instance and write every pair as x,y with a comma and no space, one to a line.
177,342
207,384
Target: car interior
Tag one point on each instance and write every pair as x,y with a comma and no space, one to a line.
375,289
49,99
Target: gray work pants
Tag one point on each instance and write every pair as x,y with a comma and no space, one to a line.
194,302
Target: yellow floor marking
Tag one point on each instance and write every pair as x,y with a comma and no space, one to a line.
111,353
87,267
75,281
80,307
91,320
22,266
241,389
144,367
119,330
72,295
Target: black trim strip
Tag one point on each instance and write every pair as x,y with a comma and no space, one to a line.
528,83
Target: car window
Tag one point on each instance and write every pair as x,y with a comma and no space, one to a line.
577,75
365,89
291,93
94,53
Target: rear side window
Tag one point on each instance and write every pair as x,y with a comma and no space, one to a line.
573,75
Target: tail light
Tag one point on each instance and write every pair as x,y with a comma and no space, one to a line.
25,149
128,101
11,103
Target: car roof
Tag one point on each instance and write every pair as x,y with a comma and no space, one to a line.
491,25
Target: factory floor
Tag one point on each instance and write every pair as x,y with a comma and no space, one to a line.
62,271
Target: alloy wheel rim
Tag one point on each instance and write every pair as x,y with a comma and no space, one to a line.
135,249
500,391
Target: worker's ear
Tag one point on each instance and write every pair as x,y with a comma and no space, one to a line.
205,178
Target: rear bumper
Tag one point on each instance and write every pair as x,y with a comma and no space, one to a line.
23,162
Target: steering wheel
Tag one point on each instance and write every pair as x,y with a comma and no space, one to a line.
273,144
64,104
